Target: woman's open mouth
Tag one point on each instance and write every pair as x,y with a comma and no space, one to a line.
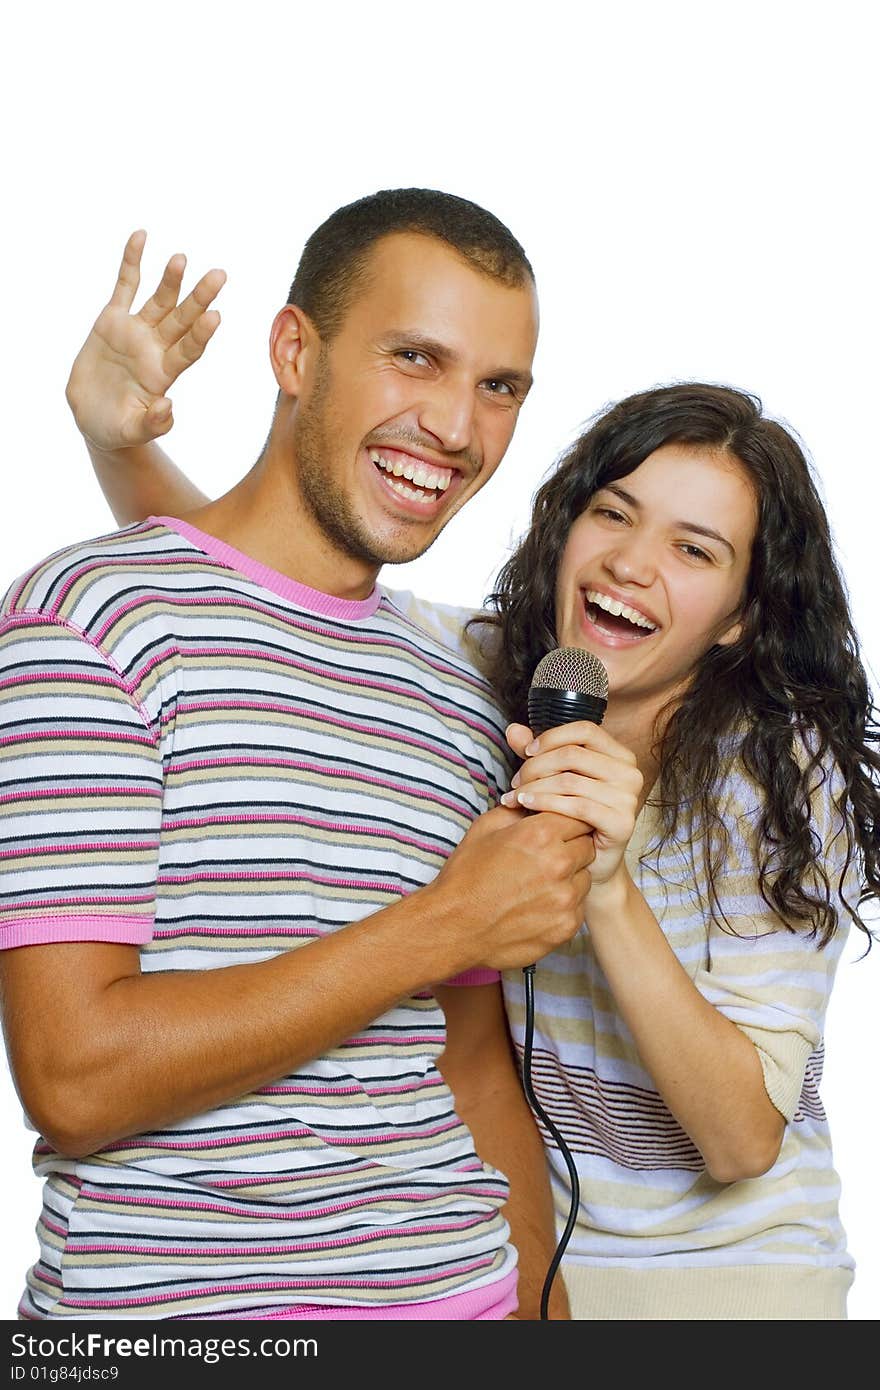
618,623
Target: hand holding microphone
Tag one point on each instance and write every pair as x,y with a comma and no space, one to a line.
577,770
576,767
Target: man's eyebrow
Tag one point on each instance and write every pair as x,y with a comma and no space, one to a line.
707,531
405,338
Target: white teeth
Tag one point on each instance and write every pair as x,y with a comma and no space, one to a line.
422,474
407,491
620,610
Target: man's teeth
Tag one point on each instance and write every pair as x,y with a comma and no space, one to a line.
620,610
421,474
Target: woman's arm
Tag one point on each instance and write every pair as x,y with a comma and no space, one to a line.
704,1066
118,383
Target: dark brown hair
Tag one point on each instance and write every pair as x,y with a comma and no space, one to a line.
791,692
335,257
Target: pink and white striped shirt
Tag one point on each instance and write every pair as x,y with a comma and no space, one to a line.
210,761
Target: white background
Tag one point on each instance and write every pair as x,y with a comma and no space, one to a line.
694,184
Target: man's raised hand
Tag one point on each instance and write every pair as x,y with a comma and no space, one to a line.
118,381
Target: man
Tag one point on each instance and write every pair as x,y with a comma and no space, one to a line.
247,812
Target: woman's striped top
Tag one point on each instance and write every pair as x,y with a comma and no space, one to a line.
656,1236
205,759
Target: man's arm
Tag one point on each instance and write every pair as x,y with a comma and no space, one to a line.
119,380
479,1068
100,1051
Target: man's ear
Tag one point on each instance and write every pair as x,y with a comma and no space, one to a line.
293,344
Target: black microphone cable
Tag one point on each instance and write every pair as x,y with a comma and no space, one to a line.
529,982
569,684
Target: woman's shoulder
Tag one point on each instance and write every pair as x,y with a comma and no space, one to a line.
803,773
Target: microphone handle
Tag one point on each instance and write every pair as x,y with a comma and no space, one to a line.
548,709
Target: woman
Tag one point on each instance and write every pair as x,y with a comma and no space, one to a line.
734,796
735,804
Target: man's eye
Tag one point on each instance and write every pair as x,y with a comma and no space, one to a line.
411,355
498,388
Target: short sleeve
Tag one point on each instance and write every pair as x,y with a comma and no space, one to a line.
772,982
449,624
80,792
481,975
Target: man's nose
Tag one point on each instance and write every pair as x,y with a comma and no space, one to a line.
448,414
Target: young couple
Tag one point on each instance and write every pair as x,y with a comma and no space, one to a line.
251,823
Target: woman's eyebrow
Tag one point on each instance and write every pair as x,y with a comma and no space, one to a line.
707,531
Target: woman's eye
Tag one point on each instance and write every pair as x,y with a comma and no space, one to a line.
610,512
696,552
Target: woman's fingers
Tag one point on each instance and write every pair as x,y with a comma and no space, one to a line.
581,762
585,734
519,736
611,820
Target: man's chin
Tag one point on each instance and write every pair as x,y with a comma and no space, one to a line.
401,553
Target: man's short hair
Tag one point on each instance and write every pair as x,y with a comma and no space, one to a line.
332,268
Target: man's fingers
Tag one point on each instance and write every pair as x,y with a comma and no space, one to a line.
166,293
143,426
129,276
158,412
582,881
191,345
566,827
186,315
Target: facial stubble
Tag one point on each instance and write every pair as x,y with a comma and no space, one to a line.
315,433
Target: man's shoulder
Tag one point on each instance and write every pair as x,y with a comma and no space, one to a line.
75,583
453,629
453,657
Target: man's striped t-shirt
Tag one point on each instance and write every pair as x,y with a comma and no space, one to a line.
207,760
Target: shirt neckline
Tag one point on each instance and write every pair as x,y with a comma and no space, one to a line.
330,605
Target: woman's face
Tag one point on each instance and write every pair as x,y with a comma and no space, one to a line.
654,571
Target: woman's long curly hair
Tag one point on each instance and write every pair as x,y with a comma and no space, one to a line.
791,690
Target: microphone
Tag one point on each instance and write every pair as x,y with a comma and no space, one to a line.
569,684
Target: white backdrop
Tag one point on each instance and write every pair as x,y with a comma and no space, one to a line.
695,187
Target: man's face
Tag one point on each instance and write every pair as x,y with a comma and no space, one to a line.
408,410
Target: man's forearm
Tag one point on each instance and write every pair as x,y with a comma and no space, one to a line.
101,1051
143,481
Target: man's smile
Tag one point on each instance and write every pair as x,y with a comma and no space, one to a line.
414,480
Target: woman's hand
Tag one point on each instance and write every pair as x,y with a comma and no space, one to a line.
579,770
118,381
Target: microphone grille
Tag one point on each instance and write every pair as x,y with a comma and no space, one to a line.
572,668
